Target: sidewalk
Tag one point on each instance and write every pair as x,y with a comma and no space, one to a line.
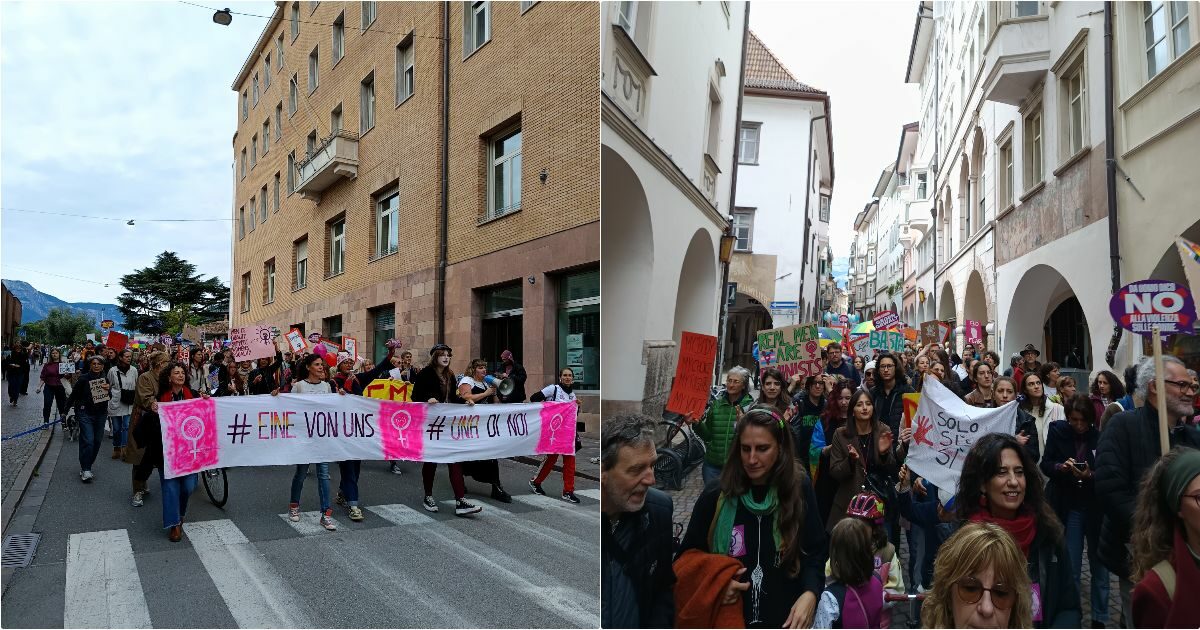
26,415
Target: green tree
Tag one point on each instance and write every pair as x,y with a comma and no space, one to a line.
162,297
36,331
65,326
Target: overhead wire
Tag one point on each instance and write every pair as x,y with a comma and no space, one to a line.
300,21
57,275
86,216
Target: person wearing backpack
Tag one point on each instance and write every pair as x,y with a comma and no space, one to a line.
559,392
854,596
1166,538
122,378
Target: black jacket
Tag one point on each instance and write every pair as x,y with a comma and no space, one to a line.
1027,423
518,377
889,408
81,396
635,562
1050,568
428,386
1128,447
270,376
1066,492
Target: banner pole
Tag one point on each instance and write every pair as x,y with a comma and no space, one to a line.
1161,391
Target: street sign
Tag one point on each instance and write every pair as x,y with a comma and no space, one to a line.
730,294
108,323
785,305
1144,305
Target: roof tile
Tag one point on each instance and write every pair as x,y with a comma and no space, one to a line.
764,70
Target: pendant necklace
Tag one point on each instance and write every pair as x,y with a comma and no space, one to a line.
756,578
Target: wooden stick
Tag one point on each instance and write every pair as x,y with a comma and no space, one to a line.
1161,392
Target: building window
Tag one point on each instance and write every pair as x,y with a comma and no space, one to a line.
382,326
477,25
748,143
387,232
579,327
310,145
262,204
337,247
1033,148
279,52
266,136
267,72
300,253
293,96
331,327
335,119
279,122
367,105
1167,36
714,122
241,223
368,14
245,105
1075,102
291,181
254,89
246,292
313,69
269,281
743,230
253,207
922,184
627,15
253,151
1006,174
1025,9
275,194
339,37
295,22
527,4
404,70
243,164
824,216
504,177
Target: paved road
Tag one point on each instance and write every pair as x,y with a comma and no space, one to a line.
103,563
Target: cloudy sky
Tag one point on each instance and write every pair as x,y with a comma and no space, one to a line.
858,53
120,110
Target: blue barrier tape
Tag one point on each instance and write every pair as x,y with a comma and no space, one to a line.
40,427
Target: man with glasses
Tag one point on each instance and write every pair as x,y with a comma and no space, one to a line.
637,578
1128,447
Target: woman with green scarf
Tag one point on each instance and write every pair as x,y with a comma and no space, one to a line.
764,513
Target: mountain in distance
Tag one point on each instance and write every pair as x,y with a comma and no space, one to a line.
36,305
840,270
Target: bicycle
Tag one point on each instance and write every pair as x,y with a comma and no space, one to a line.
676,459
216,485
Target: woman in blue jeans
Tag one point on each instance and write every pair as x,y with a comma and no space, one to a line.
91,414
1069,462
172,387
314,382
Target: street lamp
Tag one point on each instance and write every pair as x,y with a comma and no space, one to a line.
223,17
727,242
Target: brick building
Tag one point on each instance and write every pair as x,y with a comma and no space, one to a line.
11,316
348,203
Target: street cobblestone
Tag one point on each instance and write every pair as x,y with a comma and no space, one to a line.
26,415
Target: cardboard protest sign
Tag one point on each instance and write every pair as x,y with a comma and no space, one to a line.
1140,306
191,333
204,433
872,344
935,331
861,344
99,393
295,340
972,331
886,320
693,374
792,350
910,401
944,429
389,389
252,342
331,348
116,340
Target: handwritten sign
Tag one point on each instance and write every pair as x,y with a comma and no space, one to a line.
65,368
872,344
935,331
389,389
973,331
693,373
945,428
1140,306
792,350
264,430
99,393
886,320
116,340
350,345
185,354
295,340
251,342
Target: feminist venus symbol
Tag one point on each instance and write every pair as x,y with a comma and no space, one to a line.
187,435
400,426
555,423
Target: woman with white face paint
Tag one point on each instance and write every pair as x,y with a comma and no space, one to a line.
435,384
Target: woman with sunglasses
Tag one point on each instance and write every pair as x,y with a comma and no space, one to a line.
1166,542
1000,484
763,513
979,581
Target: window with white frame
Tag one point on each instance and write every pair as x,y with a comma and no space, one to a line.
246,292
337,247
310,144
1166,27
293,96
339,37
368,14
295,22
252,205
477,25
269,279
243,171
254,89
335,119
748,140
1024,8
366,120
824,215
275,194
504,176
266,136
1033,148
267,73
241,223
291,173
627,15
279,52
1006,184
922,178
245,105
314,67
713,143
387,215
527,4
253,151
743,230
262,204
1074,92
279,122
405,73
300,253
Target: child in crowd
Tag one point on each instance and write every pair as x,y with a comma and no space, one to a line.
854,597
869,509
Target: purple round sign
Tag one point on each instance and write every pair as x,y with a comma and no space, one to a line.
1142,305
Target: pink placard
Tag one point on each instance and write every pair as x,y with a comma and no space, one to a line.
973,331
401,429
558,429
190,435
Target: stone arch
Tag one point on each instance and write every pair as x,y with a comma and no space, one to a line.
695,303
1041,292
975,304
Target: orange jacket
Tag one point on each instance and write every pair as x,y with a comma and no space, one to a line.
701,579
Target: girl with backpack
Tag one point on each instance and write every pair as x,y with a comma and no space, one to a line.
854,597
869,509
559,392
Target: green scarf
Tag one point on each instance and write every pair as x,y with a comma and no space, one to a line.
721,531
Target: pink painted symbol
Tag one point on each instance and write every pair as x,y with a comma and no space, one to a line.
191,440
557,432
401,431
192,429
400,421
555,423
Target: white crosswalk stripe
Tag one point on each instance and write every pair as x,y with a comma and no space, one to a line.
400,514
591,493
448,506
579,512
103,588
255,593
309,524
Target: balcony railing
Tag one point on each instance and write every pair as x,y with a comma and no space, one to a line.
335,159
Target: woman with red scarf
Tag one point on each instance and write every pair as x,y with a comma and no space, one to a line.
172,387
1000,484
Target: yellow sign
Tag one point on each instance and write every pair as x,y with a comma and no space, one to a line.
389,389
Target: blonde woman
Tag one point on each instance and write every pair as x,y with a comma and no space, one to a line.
979,581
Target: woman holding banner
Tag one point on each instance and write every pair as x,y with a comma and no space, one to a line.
474,388
435,384
558,392
864,448
1000,484
315,382
172,387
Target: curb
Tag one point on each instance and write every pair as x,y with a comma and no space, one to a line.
557,467
21,484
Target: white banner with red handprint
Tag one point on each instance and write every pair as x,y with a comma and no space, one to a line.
264,430
944,430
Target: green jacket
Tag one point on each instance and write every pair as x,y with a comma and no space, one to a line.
716,428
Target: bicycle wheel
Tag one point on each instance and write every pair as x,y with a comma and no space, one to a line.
216,485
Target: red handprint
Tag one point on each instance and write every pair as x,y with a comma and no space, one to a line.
924,426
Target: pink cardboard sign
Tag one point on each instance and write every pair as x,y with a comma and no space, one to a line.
558,431
400,428
190,435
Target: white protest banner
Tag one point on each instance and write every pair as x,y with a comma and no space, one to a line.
265,430
945,428
251,342
295,339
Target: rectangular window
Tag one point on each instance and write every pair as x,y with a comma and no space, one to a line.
266,136
267,72
368,14
527,4
1006,175
339,37
279,122
477,25
279,52
824,216
405,73
313,69
1025,9
243,171
269,279
1033,148
1075,90
714,123
262,204
387,233
253,207
331,327
922,185
295,25
275,194
291,173
246,292
254,89
579,327
253,151
748,143
241,223
245,105
743,230
310,144
335,119
627,15
293,96
300,252
337,247
367,105
504,177
1167,36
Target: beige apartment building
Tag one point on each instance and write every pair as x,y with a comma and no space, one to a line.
427,171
